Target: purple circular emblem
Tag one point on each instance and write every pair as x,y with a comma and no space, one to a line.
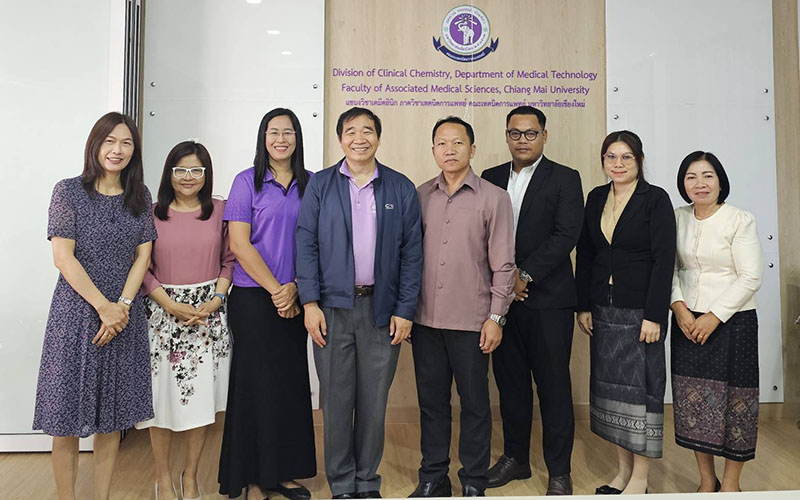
465,29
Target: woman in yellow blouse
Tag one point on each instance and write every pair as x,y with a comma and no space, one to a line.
718,270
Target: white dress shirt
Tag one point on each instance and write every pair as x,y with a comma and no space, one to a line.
517,185
718,263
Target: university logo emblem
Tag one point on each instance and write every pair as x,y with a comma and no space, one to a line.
465,33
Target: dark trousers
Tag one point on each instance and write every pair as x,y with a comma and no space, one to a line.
440,355
538,342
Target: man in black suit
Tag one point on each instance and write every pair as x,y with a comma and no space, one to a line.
547,199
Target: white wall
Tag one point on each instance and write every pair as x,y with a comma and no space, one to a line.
689,75
55,82
212,69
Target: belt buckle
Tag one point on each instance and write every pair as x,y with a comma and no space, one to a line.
363,290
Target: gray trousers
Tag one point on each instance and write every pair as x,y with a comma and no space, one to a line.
355,370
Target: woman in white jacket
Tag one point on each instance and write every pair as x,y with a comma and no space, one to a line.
718,269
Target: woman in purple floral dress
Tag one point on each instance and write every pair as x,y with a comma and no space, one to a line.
186,285
94,377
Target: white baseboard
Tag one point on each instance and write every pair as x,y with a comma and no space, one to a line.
36,442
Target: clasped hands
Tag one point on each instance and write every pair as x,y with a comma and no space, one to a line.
285,300
697,330
114,317
192,316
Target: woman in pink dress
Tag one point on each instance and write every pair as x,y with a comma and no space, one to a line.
186,285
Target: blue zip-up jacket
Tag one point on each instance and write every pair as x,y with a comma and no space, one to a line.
325,267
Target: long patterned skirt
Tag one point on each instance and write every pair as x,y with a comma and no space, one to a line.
628,380
189,364
715,388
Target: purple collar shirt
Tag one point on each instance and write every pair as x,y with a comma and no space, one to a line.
272,215
365,226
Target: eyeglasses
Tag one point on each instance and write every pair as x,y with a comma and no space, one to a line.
194,172
626,158
529,134
274,134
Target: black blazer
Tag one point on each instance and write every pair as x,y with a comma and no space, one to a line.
641,255
549,227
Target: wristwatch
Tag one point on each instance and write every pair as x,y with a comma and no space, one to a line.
125,300
524,276
500,320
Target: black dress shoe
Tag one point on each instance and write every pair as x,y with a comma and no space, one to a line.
507,469
369,494
471,491
297,493
345,495
440,488
607,490
559,485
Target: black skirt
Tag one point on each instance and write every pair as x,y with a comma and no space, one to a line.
269,431
715,388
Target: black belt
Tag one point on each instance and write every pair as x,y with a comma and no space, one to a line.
362,290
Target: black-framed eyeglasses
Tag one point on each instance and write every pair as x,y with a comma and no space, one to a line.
193,172
529,134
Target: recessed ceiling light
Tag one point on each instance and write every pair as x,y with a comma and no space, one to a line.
254,1
273,32
286,53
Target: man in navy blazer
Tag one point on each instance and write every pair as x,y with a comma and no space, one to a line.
547,200
359,265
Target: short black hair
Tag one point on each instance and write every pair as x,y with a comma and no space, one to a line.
354,113
632,141
724,183
527,110
458,121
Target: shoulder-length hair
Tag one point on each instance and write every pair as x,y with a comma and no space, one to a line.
132,176
166,193
724,183
261,161
632,140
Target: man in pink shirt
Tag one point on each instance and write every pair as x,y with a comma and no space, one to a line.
467,287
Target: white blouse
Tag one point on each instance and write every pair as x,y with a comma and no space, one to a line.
718,263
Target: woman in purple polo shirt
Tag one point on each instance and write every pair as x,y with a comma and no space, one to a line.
269,436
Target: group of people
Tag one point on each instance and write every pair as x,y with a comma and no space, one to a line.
165,315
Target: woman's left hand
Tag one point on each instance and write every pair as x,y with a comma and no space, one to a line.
704,326
103,336
650,333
